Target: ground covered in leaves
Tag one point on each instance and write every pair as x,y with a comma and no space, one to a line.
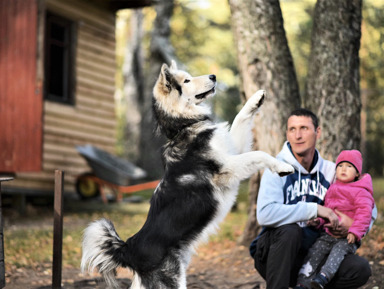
221,263
226,269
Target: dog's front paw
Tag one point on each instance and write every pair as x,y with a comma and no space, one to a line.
283,169
256,100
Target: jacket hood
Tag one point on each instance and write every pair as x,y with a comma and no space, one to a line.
364,182
287,156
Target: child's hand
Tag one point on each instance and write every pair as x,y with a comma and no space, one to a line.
351,238
313,222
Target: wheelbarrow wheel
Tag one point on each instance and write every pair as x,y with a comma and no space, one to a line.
86,187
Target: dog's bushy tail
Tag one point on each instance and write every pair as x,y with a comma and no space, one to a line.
102,250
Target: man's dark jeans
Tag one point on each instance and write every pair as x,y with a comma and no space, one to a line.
279,255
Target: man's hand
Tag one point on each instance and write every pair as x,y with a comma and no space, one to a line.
341,231
328,214
313,222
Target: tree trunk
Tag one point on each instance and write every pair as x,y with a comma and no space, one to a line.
133,86
161,51
264,62
332,90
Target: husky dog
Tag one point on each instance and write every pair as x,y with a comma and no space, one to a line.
204,164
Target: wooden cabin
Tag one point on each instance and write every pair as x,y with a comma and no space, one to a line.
57,85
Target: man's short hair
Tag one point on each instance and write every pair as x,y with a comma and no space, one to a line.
307,113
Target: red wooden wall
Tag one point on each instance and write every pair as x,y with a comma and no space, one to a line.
20,90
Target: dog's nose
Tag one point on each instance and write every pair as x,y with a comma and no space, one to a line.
212,77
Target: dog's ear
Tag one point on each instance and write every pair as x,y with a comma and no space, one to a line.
164,70
165,77
173,65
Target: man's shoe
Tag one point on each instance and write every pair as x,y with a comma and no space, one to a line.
319,282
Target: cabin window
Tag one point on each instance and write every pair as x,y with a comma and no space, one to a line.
59,59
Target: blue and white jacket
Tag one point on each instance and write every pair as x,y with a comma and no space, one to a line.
293,198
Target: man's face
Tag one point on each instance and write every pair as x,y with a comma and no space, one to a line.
302,135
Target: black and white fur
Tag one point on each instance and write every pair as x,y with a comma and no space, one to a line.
204,164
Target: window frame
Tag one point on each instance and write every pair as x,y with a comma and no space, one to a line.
68,56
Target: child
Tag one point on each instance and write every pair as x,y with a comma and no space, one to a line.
352,194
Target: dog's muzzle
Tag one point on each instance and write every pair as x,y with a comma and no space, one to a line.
212,91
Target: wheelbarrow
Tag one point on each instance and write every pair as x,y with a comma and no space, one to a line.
109,171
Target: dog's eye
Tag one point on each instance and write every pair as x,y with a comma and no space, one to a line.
186,81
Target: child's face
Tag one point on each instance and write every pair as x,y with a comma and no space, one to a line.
346,172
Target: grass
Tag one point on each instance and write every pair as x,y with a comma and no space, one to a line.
372,246
28,240
378,194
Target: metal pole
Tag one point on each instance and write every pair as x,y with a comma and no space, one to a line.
2,264
58,230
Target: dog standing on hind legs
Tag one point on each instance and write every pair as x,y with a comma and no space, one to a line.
204,164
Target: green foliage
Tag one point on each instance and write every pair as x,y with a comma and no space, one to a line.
372,82
203,41
298,26
378,193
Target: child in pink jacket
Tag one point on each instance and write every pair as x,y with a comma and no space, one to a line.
352,194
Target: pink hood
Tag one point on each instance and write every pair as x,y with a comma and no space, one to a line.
355,200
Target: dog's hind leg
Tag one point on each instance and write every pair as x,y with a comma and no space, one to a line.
136,282
171,274
183,277
245,165
241,130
